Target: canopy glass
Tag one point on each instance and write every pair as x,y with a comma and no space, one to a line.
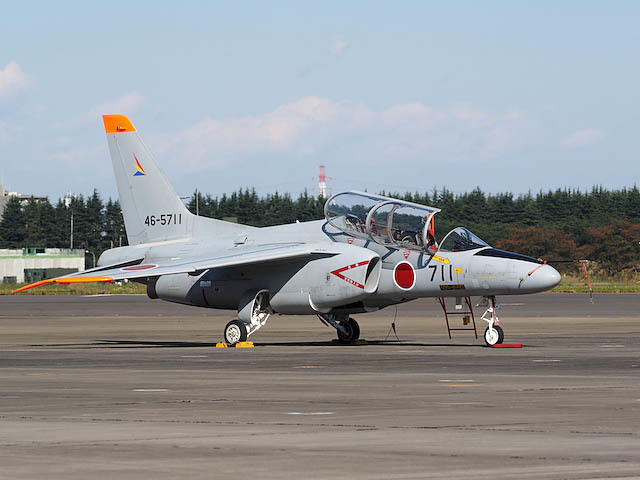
461,239
387,221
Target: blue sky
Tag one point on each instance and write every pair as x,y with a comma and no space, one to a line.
508,96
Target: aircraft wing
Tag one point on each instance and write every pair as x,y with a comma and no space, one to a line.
236,256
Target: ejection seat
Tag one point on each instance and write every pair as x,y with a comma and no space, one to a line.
386,221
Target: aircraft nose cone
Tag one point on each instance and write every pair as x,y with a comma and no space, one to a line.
553,276
544,278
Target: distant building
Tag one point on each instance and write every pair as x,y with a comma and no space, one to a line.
68,198
5,196
35,264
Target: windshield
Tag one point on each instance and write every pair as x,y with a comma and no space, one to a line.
460,239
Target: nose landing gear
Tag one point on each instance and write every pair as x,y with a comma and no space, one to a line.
494,333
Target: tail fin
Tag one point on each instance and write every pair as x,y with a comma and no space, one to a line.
152,210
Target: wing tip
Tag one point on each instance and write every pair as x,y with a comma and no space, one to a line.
84,279
63,280
32,285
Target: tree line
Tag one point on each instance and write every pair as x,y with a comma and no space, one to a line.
600,225
97,226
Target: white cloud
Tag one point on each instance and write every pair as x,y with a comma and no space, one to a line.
126,104
322,127
582,138
73,156
13,80
338,45
68,157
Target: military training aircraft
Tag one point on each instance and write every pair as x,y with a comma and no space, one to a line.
368,253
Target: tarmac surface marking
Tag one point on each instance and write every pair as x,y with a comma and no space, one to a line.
125,387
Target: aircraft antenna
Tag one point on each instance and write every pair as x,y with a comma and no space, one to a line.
322,182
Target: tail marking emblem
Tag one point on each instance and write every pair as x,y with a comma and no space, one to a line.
139,169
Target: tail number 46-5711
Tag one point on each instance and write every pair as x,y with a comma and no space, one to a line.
164,219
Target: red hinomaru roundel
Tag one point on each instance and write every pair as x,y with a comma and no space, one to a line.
404,276
135,268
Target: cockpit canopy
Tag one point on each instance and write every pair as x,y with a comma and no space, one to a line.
461,239
387,221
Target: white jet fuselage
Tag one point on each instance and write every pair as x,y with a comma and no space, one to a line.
292,285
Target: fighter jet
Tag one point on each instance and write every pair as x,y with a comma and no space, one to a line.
369,252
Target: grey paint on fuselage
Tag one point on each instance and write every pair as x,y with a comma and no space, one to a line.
480,276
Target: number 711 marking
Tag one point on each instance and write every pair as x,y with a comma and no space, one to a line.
434,269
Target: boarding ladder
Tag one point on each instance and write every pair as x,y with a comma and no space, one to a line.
459,311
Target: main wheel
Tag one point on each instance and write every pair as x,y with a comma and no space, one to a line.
235,332
348,335
492,336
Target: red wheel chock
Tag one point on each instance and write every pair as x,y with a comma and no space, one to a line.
507,345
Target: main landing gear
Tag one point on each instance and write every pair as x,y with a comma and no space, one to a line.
347,328
494,333
253,314
234,332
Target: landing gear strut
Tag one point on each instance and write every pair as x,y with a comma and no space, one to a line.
253,313
494,333
347,328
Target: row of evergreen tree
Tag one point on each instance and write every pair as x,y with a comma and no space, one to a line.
602,225
558,207
78,223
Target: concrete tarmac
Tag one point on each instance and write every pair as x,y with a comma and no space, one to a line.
126,387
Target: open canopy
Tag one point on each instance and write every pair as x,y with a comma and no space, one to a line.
387,221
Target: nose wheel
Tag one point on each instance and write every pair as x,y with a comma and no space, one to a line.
493,334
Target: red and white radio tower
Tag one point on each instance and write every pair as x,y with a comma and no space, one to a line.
322,182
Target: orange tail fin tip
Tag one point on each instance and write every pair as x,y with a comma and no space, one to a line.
117,124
